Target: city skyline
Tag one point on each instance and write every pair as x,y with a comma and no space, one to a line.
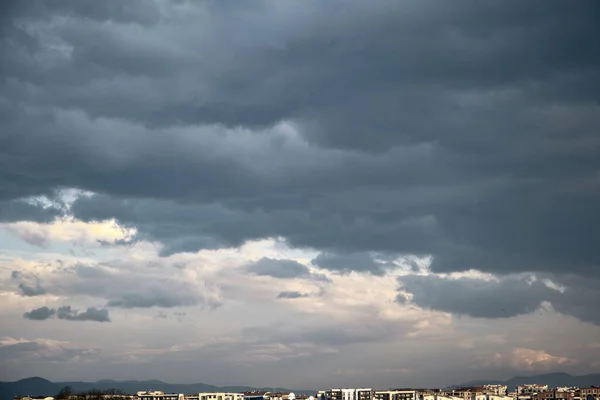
307,193
496,391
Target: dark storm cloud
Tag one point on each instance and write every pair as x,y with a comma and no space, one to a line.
476,297
291,295
464,131
20,210
503,298
90,314
40,314
579,295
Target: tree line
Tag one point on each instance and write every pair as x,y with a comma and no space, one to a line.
67,393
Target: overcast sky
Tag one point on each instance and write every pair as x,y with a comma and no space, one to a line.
299,193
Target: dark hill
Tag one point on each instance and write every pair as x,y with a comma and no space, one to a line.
28,387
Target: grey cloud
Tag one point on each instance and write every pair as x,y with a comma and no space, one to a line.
21,210
579,297
29,284
161,315
399,145
175,315
69,314
326,334
360,262
128,285
163,298
123,285
38,239
40,314
341,336
18,349
31,290
291,295
90,314
284,269
43,350
503,298
475,297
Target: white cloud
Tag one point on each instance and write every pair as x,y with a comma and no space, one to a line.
530,360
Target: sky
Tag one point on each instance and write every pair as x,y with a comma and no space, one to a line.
305,194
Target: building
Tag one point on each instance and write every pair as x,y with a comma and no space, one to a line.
496,390
526,391
590,393
395,394
492,397
465,393
553,395
349,394
215,396
439,397
158,395
280,396
257,395
34,398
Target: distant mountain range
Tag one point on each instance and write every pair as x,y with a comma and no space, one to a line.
42,387
553,380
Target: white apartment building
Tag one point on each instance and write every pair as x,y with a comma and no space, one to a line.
215,396
430,396
528,390
492,397
158,395
395,394
257,395
497,390
349,394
